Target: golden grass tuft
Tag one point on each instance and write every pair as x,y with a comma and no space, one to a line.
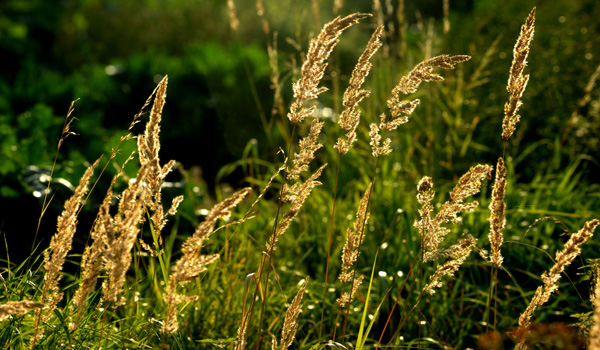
18,308
353,95
54,256
192,263
497,218
290,324
400,110
517,81
432,229
308,146
550,278
313,68
355,237
458,253
296,195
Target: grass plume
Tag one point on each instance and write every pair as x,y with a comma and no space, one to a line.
517,81
550,278
313,68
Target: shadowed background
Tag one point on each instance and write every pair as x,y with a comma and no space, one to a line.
111,54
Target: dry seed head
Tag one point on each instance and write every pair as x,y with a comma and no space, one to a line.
497,218
54,256
119,241
233,21
424,72
408,84
313,68
308,147
454,252
350,117
219,211
61,242
470,183
355,237
91,260
290,324
426,225
149,147
550,278
461,251
192,263
431,229
297,200
18,308
517,81
377,147
347,297
260,10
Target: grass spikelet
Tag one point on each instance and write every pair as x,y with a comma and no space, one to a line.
425,194
60,245
149,154
260,11
353,95
348,296
308,147
91,260
354,237
119,241
550,278
313,68
233,20
379,149
275,78
409,84
296,199
400,110
290,324
497,218
458,253
18,308
470,183
431,229
191,263
517,81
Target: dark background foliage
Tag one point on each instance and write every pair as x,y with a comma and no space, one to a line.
110,54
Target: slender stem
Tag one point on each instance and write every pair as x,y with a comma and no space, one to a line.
395,304
362,232
337,317
337,177
489,301
271,249
495,297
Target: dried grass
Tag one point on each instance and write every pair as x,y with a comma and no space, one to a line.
550,278
313,68
517,81
54,256
353,95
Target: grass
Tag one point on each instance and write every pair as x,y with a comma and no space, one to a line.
260,266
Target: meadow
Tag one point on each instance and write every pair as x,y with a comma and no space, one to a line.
399,193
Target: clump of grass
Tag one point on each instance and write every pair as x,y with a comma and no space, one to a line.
18,308
110,256
517,81
550,278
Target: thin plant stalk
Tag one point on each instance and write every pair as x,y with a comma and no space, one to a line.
337,177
